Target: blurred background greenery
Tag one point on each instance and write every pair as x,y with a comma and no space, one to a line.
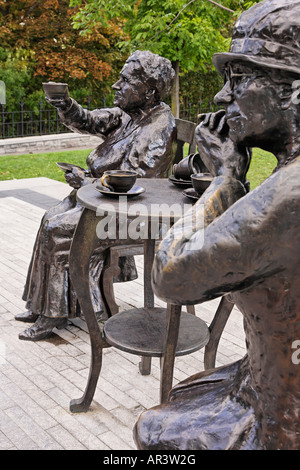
85,44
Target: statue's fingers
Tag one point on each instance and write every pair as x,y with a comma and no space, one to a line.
68,176
216,118
204,119
222,126
57,102
201,117
76,171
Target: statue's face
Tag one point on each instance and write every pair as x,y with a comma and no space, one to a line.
131,92
252,104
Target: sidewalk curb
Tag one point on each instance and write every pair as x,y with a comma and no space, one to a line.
47,143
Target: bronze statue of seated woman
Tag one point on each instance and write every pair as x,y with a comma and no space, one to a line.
138,134
250,250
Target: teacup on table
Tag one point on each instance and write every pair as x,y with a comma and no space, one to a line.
119,181
187,166
55,91
201,181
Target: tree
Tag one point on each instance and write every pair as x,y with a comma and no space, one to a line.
187,33
39,43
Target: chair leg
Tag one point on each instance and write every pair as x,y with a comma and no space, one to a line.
145,365
191,309
216,329
149,253
109,271
168,357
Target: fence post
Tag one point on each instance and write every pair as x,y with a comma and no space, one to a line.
22,116
57,121
199,109
40,118
3,120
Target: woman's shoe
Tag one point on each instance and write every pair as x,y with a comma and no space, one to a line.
27,317
42,328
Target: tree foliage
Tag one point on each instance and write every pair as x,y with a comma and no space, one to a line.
39,43
85,42
188,31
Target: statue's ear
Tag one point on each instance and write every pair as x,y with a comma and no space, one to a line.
294,98
296,92
150,92
287,103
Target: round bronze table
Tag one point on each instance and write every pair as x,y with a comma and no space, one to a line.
149,331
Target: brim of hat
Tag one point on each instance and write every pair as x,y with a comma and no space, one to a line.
221,59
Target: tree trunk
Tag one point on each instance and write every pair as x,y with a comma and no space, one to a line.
175,91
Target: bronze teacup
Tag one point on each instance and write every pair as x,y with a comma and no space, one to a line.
201,181
187,166
55,91
119,181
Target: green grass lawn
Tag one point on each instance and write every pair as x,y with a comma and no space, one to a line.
40,164
262,165
44,164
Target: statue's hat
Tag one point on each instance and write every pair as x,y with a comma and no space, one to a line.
266,35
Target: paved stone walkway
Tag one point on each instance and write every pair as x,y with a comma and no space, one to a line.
37,380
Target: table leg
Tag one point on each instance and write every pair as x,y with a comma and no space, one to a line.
149,253
168,358
84,242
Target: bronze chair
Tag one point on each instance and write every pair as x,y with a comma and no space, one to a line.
185,135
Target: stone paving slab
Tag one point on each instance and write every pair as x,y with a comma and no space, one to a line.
38,380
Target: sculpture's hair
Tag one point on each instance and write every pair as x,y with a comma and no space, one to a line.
154,70
285,85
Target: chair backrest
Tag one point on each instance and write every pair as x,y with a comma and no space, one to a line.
185,135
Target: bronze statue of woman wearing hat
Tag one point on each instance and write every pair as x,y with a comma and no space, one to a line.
250,250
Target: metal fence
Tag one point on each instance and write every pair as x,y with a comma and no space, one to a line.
191,111
25,122
45,120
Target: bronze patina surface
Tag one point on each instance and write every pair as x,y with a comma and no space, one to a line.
250,250
139,133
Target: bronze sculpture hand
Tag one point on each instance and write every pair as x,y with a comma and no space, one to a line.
62,103
219,153
75,178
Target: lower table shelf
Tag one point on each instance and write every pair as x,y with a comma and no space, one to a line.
142,332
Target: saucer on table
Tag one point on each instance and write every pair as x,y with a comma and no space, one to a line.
191,194
134,191
181,183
